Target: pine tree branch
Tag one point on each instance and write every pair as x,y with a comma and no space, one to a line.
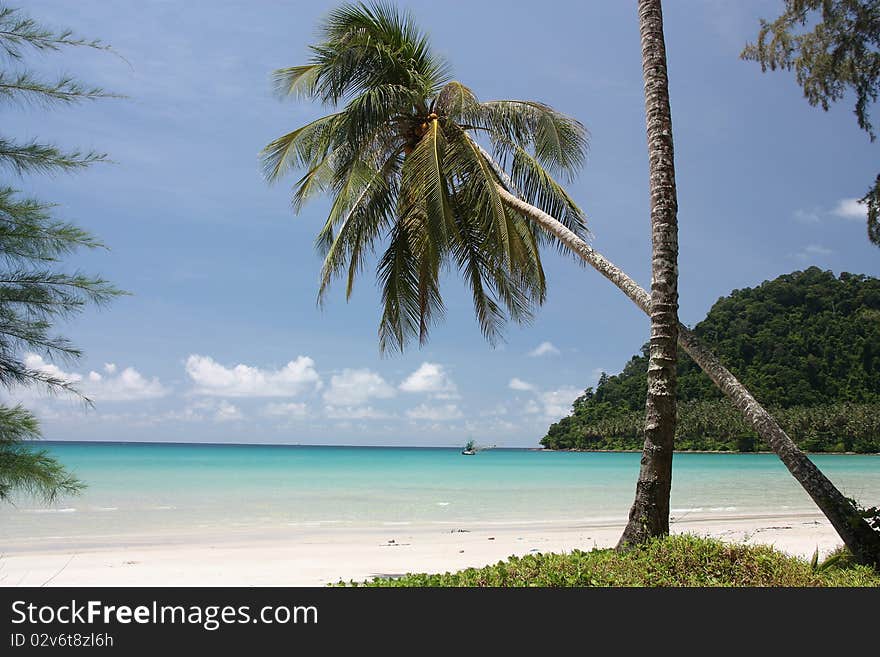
28,89
34,157
18,32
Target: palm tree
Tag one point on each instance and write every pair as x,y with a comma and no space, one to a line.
400,162
400,158
649,515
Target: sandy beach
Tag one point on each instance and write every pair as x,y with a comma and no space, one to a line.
318,556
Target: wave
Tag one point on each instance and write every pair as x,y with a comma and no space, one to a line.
701,509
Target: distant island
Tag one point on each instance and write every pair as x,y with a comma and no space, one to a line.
807,344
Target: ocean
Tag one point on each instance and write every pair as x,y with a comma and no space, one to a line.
143,491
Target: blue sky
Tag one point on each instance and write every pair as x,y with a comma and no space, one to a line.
221,339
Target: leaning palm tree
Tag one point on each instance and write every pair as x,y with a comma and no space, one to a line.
401,164
405,159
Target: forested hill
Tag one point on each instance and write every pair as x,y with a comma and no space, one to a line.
804,340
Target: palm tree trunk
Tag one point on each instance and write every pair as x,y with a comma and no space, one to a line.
649,515
855,532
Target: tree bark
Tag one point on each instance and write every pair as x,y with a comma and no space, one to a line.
855,532
649,515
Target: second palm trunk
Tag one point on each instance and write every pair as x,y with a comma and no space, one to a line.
649,515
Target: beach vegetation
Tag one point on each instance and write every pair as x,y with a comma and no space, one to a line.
680,560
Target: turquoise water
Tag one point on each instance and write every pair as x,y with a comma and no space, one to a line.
151,489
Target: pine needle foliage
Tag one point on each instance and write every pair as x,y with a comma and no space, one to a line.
36,290
833,47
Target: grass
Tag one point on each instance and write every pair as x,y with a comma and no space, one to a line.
680,560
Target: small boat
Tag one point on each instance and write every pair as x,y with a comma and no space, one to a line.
469,449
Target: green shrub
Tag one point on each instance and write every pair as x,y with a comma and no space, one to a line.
680,560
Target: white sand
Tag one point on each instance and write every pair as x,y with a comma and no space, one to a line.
320,556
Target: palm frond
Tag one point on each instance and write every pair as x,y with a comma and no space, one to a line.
365,46
455,100
296,81
315,181
372,112
412,300
423,183
536,186
398,276
558,141
478,193
297,149
367,207
475,265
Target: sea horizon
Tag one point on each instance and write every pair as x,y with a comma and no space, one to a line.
538,448
163,491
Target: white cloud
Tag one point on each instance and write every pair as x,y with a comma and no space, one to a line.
192,413
212,378
435,413
202,410
807,216
812,251
292,409
557,403
544,349
355,413
519,384
495,411
430,378
354,387
36,362
127,385
549,404
851,208
227,412
816,249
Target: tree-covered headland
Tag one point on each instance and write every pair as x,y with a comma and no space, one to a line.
807,344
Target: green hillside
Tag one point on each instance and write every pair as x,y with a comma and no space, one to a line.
806,344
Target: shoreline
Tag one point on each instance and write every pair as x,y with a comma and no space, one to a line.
693,451
317,556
